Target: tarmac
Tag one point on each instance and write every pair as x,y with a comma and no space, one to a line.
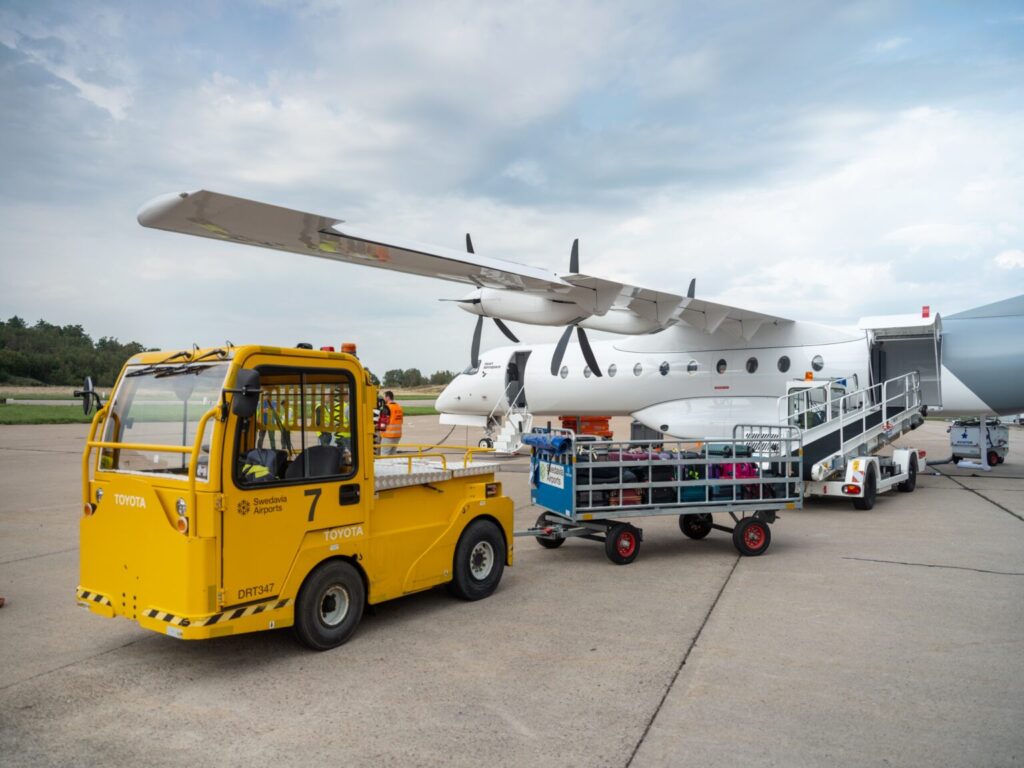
887,637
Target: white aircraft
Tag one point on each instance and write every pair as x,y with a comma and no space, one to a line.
686,367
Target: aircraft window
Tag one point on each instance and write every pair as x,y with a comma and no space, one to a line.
586,372
663,369
612,370
691,367
721,366
751,365
817,362
564,372
638,369
783,364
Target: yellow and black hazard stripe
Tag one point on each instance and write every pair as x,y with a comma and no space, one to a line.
209,621
84,595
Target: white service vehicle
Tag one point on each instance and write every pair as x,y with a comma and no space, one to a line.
965,440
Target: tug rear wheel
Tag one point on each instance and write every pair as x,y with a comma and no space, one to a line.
622,543
751,536
479,561
696,526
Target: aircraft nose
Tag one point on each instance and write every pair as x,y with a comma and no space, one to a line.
448,400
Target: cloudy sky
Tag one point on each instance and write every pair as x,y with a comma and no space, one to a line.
818,160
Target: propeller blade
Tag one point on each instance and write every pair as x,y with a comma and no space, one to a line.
474,352
504,329
469,243
574,257
588,353
692,290
556,359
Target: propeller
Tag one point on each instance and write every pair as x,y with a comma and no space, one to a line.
474,350
581,335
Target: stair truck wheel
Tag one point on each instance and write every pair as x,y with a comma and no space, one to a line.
696,526
479,561
751,536
329,606
993,458
908,485
622,543
547,543
486,442
867,501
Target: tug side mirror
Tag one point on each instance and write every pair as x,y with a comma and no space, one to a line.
246,393
88,395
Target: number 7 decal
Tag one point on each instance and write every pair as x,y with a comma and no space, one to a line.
315,493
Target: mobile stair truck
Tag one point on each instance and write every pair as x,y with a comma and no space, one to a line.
236,490
825,444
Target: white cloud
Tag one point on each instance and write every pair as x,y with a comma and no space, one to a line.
891,44
1011,259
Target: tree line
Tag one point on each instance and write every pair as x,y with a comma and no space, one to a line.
411,377
59,354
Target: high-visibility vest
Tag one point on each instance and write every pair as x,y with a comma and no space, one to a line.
394,426
339,416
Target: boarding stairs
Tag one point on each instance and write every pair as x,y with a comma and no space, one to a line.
507,422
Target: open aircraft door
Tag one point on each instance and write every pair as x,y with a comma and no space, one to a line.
900,344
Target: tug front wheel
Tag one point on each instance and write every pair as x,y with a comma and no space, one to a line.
751,536
330,606
622,543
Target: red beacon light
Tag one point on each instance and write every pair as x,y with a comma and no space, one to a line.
926,311
327,349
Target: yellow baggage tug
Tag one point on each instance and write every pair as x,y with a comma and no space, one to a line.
236,490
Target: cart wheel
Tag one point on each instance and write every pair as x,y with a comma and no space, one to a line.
956,459
547,543
908,485
993,458
486,442
695,526
1002,459
622,543
330,605
479,561
870,490
751,536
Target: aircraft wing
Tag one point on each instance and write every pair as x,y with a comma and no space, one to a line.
224,217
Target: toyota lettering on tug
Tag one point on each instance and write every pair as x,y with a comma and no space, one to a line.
236,490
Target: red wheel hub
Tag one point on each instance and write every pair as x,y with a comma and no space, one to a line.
626,543
753,536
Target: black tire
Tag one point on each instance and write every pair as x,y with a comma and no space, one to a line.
867,501
993,458
485,442
547,543
1002,459
330,606
622,543
696,526
908,485
956,459
479,561
751,536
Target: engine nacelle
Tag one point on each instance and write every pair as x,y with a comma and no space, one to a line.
522,307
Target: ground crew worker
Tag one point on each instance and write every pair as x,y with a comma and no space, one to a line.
392,434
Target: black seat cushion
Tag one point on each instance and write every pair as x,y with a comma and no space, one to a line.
322,461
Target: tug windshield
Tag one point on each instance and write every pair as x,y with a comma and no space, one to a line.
161,405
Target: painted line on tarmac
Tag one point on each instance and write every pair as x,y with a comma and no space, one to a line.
42,554
682,663
934,565
69,664
37,450
980,495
